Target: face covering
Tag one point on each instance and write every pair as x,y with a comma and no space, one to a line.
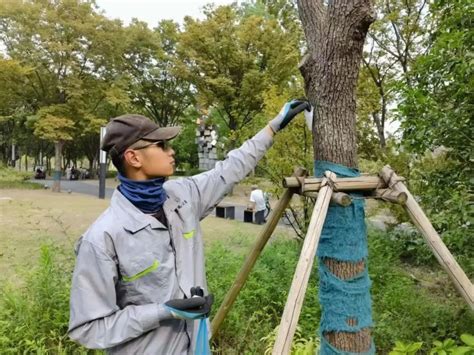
147,195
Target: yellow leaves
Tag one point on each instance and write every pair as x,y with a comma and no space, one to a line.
54,128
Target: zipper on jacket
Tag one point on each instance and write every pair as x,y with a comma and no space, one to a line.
173,248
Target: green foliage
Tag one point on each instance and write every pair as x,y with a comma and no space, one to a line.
405,349
34,317
185,145
299,346
12,179
156,85
441,185
258,309
233,60
437,108
34,313
408,308
448,346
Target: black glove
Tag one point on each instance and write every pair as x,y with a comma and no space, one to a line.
287,113
196,307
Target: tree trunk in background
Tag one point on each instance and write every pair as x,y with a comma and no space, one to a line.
57,166
380,124
335,35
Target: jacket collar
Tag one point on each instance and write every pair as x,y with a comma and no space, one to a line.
131,218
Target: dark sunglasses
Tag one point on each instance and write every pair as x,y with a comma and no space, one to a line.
160,144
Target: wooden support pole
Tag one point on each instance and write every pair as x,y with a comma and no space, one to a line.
299,284
390,195
262,240
342,184
339,198
441,252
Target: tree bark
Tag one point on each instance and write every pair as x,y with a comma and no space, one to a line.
335,35
380,125
335,32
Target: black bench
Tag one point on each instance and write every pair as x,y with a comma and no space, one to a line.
225,211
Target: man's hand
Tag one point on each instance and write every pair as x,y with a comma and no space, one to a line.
196,307
287,113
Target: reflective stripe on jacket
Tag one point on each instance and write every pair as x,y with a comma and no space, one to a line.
128,263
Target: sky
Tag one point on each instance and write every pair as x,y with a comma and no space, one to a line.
152,11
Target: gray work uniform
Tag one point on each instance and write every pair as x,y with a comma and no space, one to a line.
128,263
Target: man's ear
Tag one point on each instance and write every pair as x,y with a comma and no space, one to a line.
132,158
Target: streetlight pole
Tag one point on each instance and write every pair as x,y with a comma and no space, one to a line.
102,165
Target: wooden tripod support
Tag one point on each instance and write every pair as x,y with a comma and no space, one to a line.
249,263
388,187
295,299
440,251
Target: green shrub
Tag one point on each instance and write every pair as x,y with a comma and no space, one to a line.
404,308
448,346
258,308
442,187
12,179
34,313
34,317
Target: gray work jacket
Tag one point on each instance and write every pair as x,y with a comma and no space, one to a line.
128,263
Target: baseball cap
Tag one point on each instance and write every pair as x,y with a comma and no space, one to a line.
123,131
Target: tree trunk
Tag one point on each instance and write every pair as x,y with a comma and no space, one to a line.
57,166
380,124
335,34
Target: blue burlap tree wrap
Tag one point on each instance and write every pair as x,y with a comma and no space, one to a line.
344,238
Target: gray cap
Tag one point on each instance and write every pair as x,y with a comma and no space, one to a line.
123,131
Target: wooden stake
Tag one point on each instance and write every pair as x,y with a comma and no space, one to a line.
297,292
340,198
262,240
391,196
441,252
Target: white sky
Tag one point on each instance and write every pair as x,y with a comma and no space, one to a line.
152,11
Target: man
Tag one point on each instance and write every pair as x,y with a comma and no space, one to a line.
139,282
258,204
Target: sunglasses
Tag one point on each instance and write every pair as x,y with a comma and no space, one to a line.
160,144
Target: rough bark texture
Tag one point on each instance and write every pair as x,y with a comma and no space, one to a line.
335,35
335,31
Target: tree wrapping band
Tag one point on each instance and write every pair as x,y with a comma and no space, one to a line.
345,304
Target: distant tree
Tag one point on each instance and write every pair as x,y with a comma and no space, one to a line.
72,51
395,40
438,106
232,60
156,85
13,104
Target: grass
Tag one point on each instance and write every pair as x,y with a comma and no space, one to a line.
409,304
12,179
31,218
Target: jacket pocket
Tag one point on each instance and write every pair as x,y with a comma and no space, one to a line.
141,273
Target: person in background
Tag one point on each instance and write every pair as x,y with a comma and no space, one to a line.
257,198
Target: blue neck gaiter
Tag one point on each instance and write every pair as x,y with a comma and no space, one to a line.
147,195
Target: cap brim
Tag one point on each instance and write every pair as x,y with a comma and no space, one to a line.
163,134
